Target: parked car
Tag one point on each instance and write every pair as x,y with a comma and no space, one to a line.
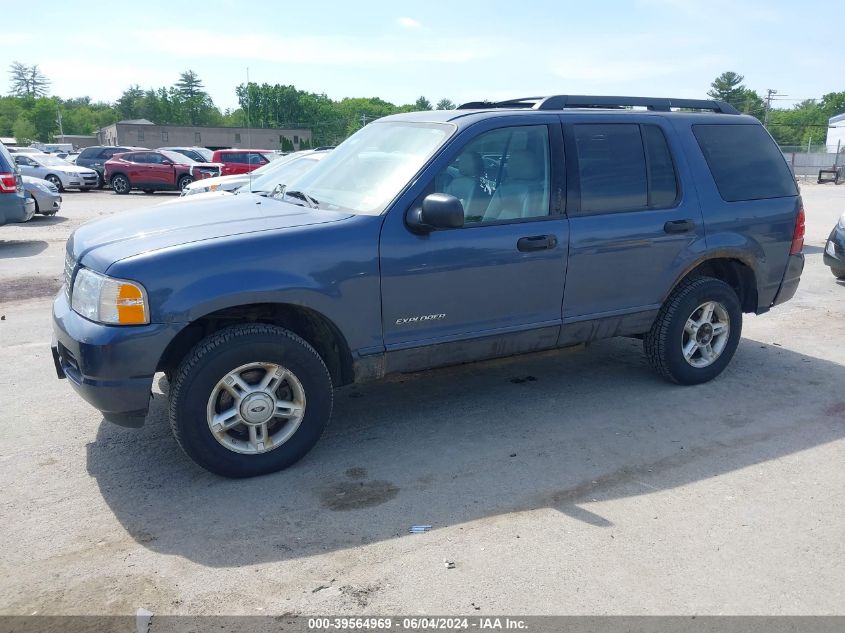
242,161
62,174
834,250
199,154
15,204
153,171
48,200
287,167
400,251
24,150
95,157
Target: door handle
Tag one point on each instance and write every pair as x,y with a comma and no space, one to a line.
536,243
679,226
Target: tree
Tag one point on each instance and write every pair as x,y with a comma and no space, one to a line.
445,104
422,104
28,81
23,130
196,101
728,87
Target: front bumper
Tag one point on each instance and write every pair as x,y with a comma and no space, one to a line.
111,367
834,249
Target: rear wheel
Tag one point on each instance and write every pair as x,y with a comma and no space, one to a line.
250,400
120,184
696,332
55,181
184,181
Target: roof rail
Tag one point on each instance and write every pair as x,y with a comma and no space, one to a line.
561,102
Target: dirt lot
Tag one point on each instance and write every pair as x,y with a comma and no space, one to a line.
573,482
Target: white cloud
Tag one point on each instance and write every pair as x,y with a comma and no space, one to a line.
409,23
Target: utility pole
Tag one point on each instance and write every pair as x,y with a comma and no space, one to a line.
364,119
59,121
769,94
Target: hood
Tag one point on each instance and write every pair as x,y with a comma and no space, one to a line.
71,169
219,181
100,243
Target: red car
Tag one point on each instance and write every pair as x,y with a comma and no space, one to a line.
241,161
152,171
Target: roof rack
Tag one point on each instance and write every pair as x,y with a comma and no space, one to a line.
561,102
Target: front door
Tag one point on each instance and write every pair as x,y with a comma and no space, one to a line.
495,286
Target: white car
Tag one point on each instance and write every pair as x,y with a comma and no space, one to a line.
62,174
232,183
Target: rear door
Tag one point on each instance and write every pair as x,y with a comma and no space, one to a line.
633,227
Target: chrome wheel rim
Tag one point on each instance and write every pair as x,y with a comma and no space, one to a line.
119,184
706,334
256,408
185,182
55,181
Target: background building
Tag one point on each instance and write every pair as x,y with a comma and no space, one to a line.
143,133
836,133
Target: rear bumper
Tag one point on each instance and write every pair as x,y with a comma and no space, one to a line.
111,367
791,279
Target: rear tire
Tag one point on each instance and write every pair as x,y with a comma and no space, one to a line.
684,345
120,184
220,383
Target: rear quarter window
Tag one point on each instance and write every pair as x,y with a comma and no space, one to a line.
745,162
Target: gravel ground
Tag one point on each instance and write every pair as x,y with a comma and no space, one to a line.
572,482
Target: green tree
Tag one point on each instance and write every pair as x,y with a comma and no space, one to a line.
23,130
43,116
128,105
422,104
445,104
728,87
28,81
195,101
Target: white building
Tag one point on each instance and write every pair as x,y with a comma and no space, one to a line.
836,133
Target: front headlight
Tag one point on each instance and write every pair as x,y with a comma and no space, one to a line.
107,300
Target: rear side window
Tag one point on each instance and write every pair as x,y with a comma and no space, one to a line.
624,167
745,162
88,153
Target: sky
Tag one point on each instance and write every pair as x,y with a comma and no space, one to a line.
464,50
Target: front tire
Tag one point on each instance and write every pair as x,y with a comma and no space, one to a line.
183,182
250,400
839,273
696,332
120,184
55,181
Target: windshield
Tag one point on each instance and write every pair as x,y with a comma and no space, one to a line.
371,167
178,158
282,172
47,159
205,153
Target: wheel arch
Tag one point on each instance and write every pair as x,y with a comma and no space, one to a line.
735,269
312,326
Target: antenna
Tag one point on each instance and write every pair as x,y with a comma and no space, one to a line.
248,129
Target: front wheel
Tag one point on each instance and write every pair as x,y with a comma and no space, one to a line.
250,400
120,184
55,181
838,272
696,332
184,181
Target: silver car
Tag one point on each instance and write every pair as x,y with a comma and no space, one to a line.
290,165
62,174
47,198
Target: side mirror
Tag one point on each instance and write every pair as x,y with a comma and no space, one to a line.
166,162
438,211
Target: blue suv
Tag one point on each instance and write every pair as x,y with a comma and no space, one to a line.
429,239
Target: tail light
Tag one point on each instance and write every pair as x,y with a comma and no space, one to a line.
8,183
798,234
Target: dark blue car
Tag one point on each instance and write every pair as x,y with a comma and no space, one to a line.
428,239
